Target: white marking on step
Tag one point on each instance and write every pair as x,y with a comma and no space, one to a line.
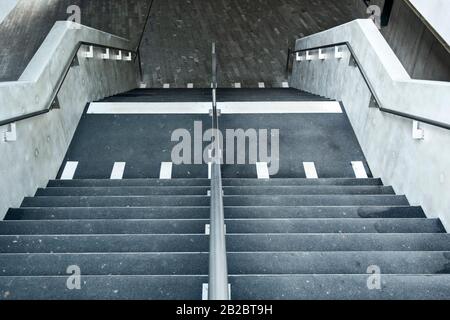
310,170
237,85
166,86
207,229
262,107
262,170
69,170
261,85
190,85
166,171
149,108
360,171
285,84
117,171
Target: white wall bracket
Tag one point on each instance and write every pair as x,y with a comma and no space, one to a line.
11,133
128,57
322,55
106,55
309,56
119,55
89,53
417,132
338,54
299,56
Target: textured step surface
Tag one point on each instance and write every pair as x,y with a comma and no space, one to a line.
104,288
195,190
337,287
235,242
204,213
207,182
191,226
278,200
389,262
104,243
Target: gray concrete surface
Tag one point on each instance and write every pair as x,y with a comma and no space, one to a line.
5,8
42,142
417,168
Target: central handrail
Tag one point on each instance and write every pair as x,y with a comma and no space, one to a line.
218,269
376,99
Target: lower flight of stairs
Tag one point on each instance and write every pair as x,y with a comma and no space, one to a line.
286,239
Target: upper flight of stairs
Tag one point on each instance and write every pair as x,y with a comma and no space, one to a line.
286,239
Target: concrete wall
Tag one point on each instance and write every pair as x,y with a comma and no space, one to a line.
417,168
42,141
5,8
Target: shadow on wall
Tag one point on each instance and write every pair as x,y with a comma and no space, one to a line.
26,27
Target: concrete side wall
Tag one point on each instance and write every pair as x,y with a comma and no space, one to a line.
5,8
42,141
417,168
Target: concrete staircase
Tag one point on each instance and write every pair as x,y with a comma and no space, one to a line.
286,239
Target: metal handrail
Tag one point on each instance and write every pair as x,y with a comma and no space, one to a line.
53,98
141,37
218,268
375,97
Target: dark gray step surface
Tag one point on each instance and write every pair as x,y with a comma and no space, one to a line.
104,243
207,182
243,287
339,287
267,94
191,226
277,200
401,262
163,95
195,190
157,263
104,288
235,242
389,262
204,213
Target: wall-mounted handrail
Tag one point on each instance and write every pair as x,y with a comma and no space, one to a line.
218,269
53,97
375,97
141,38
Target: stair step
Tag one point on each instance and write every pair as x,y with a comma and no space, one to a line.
104,288
193,226
204,213
104,243
195,190
235,242
277,200
55,264
239,263
207,182
338,242
389,262
339,287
